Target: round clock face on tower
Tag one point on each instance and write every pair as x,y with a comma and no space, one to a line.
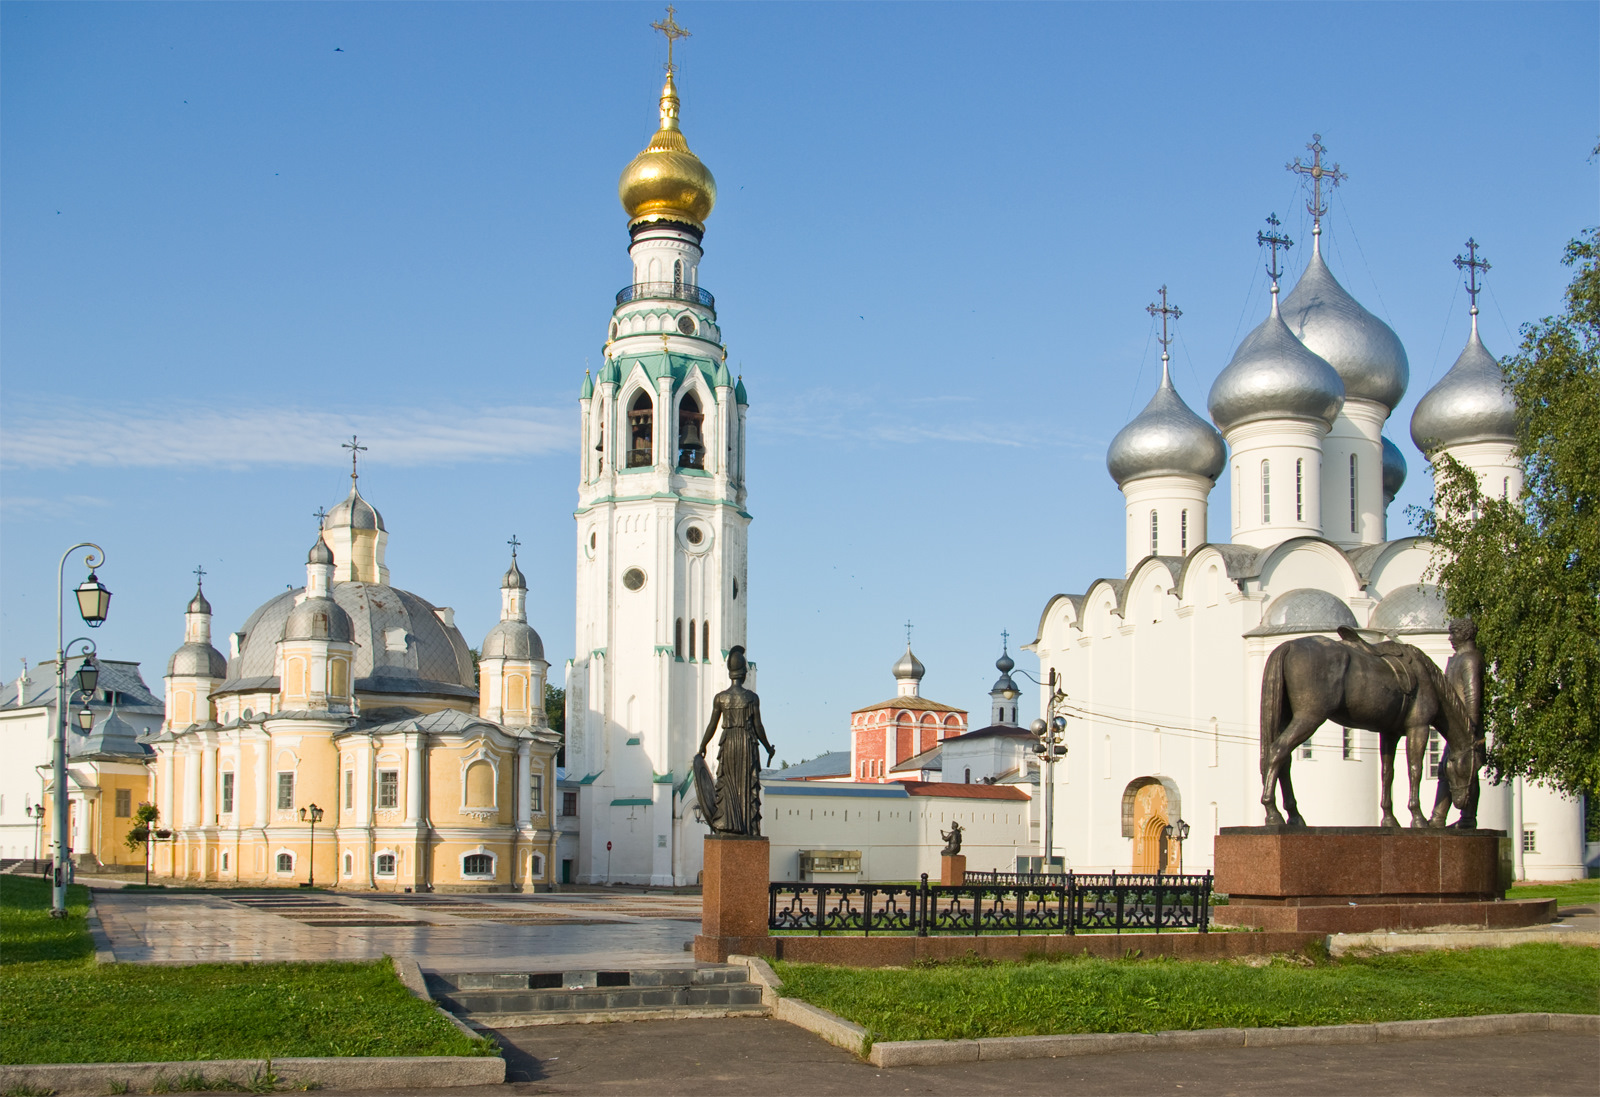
633,578
686,324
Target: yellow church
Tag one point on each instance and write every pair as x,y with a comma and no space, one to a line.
347,737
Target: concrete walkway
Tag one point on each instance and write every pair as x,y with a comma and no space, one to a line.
736,1056
442,933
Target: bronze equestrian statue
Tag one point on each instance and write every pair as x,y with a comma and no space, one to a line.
1391,688
1464,672
732,803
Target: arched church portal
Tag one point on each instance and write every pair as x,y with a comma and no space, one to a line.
1149,805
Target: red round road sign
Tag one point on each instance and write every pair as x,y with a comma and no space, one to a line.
608,847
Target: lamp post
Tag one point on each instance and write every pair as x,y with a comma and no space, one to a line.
93,602
1180,831
1050,748
36,813
312,815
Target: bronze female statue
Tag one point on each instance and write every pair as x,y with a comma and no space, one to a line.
732,803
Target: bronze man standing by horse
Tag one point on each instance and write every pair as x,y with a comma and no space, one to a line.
1393,689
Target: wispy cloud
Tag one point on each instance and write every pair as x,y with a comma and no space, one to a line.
65,435
31,506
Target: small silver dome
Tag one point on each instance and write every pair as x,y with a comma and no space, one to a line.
1417,607
197,661
513,640
1005,664
909,666
318,619
1273,375
320,553
1363,350
1304,609
356,513
198,603
1471,403
1394,471
1166,438
513,578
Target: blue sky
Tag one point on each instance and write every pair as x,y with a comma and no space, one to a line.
235,233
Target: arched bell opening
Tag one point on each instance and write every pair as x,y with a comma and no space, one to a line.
691,441
641,432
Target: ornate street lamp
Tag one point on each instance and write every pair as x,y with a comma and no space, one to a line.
1051,748
1180,831
36,813
312,815
94,600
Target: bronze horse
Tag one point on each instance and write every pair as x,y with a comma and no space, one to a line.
1392,689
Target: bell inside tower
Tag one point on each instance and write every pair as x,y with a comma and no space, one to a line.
641,445
691,444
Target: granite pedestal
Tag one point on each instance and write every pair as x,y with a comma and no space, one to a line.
734,899
1359,879
952,869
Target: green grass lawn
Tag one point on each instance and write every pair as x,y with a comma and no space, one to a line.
1571,893
966,1001
60,1007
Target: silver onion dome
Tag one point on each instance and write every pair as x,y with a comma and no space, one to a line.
1164,439
356,513
320,553
909,666
514,579
1362,349
198,604
1471,403
1273,375
197,660
1394,471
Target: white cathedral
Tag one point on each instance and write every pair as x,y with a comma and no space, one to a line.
1162,667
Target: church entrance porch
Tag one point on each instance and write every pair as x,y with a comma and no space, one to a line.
1149,806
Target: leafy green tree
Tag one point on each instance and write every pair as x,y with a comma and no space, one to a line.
144,820
555,712
1527,570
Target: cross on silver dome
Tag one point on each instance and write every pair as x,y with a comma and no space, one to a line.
1472,265
1316,172
1166,438
1275,240
355,451
1471,403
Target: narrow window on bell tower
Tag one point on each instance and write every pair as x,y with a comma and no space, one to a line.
1154,539
641,419
1266,493
691,641
1183,533
705,638
677,276
677,639
1300,490
691,443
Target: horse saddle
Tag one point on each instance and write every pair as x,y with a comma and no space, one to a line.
1396,655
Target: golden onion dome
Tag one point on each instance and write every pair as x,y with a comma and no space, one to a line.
666,180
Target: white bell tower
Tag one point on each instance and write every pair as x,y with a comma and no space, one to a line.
661,533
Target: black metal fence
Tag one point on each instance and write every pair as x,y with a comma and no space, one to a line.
672,291
1041,904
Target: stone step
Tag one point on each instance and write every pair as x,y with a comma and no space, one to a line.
599,999
489,1021
686,976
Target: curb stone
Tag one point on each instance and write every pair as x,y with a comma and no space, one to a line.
410,973
902,1053
385,1073
1339,944
831,1027
101,939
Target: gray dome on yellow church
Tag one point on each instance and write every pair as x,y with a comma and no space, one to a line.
357,699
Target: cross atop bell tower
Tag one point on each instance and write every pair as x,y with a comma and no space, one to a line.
669,27
1166,312
1274,239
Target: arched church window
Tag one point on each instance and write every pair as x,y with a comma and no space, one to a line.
1266,493
705,638
969,776
1154,541
641,421
1300,489
1183,533
677,639
691,443
691,639
677,274
1352,493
